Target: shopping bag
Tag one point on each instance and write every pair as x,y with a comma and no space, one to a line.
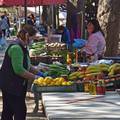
79,43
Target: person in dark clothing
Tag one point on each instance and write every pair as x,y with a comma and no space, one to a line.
43,29
15,73
65,36
29,21
8,22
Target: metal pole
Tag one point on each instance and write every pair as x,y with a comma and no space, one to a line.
39,15
52,16
25,9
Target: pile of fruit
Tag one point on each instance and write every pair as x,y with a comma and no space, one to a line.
114,69
95,70
76,75
49,81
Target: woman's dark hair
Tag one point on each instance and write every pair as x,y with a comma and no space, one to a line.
96,25
31,30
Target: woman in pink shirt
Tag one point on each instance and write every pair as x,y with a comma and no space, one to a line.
95,46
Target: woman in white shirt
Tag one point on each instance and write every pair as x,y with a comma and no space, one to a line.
95,46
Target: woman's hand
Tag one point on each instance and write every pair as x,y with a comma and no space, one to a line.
34,69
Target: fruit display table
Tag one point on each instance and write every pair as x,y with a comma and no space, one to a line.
37,90
81,106
49,84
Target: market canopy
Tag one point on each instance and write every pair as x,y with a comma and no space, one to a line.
9,3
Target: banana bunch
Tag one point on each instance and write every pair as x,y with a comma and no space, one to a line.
48,81
103,67
95,70
92,69
76,75
114,69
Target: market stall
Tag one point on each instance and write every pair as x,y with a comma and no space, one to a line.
62,73
47,52
94,79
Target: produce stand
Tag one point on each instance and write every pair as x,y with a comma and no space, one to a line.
83,76
112,84
47,52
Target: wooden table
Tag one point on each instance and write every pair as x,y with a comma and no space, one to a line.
81,106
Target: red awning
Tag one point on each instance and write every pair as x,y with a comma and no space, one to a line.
30,2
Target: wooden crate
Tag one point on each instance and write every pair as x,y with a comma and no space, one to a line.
37,59
46,59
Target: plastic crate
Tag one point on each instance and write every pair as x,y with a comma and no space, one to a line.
113,83
71,88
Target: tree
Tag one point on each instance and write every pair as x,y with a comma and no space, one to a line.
109,18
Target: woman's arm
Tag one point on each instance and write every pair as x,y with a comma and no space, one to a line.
16,55
91,46
28,75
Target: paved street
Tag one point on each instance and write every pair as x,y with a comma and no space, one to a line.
30,108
